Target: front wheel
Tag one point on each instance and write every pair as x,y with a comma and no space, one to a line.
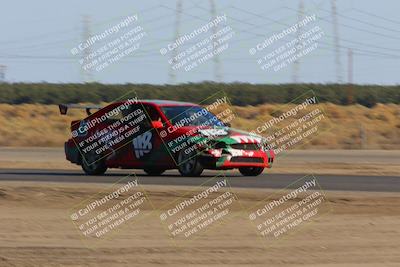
251,171
188,164
93,166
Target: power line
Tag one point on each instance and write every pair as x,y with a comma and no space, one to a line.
358,29
375,16
336,42
287,25
172,74
75,29
86,35
363,22
179,11
296,63
341,47
217,63
56,43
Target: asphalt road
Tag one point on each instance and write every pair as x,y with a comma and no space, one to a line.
56,154
275,181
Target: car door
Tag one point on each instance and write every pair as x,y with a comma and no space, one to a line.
144,148
156,154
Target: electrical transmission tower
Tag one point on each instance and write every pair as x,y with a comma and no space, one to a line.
2,73
86,35
350,76
217,63
172,74
338,64
296,63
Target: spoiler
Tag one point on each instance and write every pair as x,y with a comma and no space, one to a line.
64,108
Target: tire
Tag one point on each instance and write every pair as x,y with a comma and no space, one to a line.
96,168
153,171
189,165
251,171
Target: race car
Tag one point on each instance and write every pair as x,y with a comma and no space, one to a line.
159,135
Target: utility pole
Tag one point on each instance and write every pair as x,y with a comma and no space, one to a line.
296,63
86,35
338,64
178,15
350,76
2,73
217,64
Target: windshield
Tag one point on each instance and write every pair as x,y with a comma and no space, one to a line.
190,116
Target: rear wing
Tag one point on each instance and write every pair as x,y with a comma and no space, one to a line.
64,108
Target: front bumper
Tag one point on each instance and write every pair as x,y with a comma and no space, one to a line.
236,158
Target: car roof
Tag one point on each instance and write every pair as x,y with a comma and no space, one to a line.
160,102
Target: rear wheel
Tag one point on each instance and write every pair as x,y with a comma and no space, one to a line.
154,171
251,171
93,165
189,164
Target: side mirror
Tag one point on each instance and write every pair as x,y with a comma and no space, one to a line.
157,124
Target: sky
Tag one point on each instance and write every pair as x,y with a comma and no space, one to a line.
38,37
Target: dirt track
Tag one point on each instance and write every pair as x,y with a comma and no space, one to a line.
362,229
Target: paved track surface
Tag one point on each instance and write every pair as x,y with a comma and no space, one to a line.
299,157
46,154
275,181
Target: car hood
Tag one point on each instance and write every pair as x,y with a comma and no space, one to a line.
225,134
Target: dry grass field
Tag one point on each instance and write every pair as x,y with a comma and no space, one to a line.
353,127
35,230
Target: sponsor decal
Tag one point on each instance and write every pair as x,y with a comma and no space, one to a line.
142,144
